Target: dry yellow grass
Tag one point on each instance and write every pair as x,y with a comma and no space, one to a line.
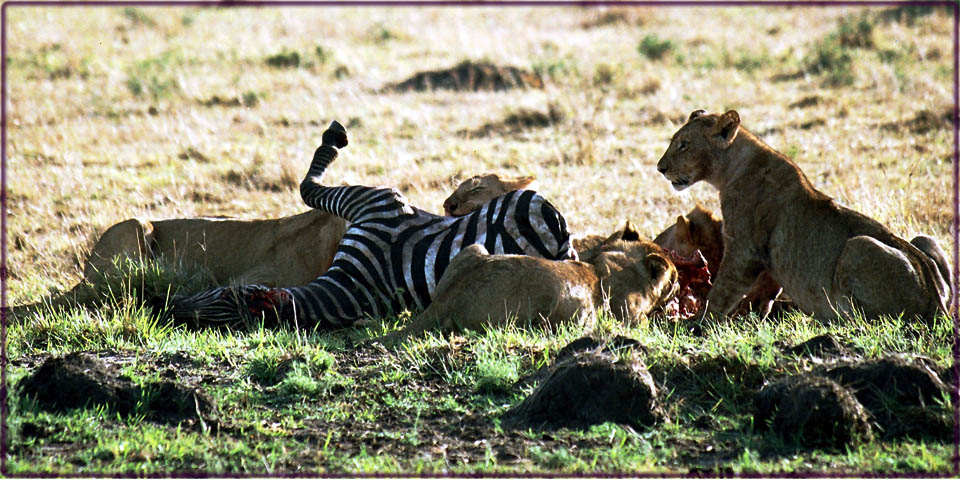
215,130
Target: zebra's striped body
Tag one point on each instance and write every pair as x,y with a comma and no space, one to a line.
391,257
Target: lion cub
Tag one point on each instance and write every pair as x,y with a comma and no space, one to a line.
701,230
477,190
481,290
829,259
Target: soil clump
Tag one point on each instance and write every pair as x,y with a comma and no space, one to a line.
469,76
813,410
589,384
79,380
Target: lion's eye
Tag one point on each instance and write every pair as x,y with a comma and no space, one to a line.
683,146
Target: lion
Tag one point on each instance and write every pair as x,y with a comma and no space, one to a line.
281,252
477,190
278,252
832,261
701,231
480,290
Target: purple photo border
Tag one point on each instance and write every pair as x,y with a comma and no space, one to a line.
955,307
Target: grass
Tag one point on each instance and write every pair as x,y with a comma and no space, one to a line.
653,47
117,113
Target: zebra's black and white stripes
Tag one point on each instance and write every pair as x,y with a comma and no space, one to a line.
391,257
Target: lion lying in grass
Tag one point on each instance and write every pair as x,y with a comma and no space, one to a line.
829,259
278,252
480,290
693,278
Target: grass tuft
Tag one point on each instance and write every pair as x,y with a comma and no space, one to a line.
154,77
653,47
284,59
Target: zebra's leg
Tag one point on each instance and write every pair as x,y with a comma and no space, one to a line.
234,307
312,192
353,203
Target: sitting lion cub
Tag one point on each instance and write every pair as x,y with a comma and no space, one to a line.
701,230
481,290
829,259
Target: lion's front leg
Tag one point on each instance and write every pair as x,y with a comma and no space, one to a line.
738,271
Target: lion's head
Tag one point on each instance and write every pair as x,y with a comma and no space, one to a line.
476,191
699,230
636,276
696,148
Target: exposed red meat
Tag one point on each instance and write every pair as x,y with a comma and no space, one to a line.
694,282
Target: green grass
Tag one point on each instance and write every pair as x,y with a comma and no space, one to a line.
287,385
154,77
654,47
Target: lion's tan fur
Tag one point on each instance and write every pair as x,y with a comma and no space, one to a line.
480,290
282,252
476,191
829,259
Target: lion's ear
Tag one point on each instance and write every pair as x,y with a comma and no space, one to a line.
630,232
727,127
655,263
696,113
683,228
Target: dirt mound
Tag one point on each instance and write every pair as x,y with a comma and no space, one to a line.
923,122
820,346
813,410
469,76
617,16
521,120
80,380
583,344
805,102
902,394
589,387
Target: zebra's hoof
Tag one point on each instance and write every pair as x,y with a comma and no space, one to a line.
335,135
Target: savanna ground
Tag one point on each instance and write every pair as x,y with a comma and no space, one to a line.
173,112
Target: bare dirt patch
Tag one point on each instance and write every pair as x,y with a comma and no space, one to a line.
469,76
806,102
923,122
615,17
460,435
